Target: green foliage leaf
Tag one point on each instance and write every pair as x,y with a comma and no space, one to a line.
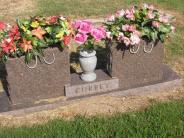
164,29
28,57
60,34
34,24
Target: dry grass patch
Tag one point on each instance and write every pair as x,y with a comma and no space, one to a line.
97,105
13,9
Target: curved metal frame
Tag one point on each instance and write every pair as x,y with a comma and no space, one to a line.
149,51
133,51
49,63
34,66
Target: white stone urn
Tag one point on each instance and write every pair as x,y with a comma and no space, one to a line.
88,61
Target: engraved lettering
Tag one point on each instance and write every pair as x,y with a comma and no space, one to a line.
92,88
77,90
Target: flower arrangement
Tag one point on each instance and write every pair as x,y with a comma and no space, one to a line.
88,36
28,37
131,25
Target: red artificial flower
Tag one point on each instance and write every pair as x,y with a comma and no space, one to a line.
66,40
8,46
14,33
51,19
2,25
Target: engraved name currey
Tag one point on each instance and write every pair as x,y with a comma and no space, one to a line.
92,88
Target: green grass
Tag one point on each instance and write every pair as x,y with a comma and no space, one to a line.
86,8
161,120
175,46
81,8
176,5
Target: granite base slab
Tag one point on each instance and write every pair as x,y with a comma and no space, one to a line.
169,81
104,83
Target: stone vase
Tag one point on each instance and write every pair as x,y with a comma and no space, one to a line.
88,62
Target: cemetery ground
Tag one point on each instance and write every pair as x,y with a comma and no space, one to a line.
156,115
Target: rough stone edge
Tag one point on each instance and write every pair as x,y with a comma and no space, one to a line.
159,87
168,85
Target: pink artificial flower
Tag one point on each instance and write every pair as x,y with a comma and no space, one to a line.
76,24
125,27
150,15
134,39
132,28
2,25
156,24
111,18
120,13
121,36
164,18
130,14
98,33
14,32
137,33
108,35
8,45
85,27
126,40
80,38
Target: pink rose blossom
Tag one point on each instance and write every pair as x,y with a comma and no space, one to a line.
98,33
164,19
85,27
156,24
130,14
134,39
111,18
127,27
137,33
80,38
126,40
76,24
121,36
120,13
150,15
132,28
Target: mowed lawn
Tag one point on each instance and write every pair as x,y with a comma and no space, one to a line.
160,120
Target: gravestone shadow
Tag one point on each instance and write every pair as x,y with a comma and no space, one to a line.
101,54
3,78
